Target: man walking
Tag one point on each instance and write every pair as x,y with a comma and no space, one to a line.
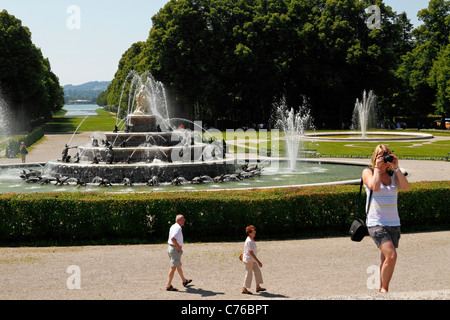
175,251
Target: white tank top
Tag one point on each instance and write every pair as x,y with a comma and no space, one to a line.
383,207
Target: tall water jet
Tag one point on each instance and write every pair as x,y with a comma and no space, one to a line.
364,112
76,130
5,121
293,124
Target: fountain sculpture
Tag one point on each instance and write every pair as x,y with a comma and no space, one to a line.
148,149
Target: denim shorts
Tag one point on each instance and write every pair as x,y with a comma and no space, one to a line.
382,234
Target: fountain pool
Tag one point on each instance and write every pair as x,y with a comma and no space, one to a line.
147,152
306,173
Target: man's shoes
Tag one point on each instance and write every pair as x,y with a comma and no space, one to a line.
171,288
187,282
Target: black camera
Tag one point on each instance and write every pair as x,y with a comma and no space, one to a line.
387,157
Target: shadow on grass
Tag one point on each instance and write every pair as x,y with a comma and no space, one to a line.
69,125
61,125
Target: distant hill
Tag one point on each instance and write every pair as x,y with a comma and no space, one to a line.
89,86
86,91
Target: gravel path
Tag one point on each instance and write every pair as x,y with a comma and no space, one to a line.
329,268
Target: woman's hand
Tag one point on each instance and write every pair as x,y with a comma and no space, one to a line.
256,259
400,178
379,161
395,161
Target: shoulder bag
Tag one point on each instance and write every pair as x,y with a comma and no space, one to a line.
358,229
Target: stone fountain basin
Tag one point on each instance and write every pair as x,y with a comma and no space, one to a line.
135,139
145,154
370,136
140,172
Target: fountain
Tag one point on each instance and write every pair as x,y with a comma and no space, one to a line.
148,148
149,94
364,112
294,126
364,116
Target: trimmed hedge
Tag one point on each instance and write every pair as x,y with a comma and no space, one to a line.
75,218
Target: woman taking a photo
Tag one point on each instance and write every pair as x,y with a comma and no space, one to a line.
252,264
383,221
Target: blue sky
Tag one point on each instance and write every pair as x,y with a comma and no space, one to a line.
91,50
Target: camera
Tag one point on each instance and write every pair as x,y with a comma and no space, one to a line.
387,157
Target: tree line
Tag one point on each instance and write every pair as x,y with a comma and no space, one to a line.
228,61
29,86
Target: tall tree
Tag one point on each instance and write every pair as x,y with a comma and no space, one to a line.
439,80
231,59
25,76
423,69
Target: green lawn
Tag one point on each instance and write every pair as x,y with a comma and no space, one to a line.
104,121
417,149
420,149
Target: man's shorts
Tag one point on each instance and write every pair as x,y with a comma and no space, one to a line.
382,234
175,256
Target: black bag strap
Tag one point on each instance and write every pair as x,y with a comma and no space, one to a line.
370,196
